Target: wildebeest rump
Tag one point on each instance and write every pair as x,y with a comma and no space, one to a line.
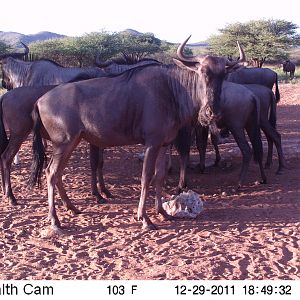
149,106
262,76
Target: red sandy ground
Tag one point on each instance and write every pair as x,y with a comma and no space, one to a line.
250,234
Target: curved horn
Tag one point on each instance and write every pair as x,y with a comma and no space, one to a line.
26,49
241,59
242,53
182,56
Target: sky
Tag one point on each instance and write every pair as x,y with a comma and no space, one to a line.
168,20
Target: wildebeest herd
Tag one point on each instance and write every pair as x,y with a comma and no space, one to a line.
145,103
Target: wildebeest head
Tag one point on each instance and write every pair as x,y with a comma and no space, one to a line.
5,60
211,71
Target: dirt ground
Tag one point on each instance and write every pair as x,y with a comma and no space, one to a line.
249,234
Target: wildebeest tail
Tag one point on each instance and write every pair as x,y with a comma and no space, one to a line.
277,94
39,156
273,113
3,136
256,134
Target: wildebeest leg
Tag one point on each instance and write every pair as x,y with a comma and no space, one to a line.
201,142
183,160
64,197
182,143
159,179
102,186
270,153
273,135
239,136
256,142
94,163
7,157
151,154
214,140
54,170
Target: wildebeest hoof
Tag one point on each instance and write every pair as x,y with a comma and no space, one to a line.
149,227
279,172
101,200
167,217
75,211
264,181
107,194
13,202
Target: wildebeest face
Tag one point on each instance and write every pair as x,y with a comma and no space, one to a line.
211,71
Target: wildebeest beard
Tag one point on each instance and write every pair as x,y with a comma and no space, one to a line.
208,113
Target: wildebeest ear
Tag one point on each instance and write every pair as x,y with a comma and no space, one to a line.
192,66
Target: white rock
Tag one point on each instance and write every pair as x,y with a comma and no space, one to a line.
185,205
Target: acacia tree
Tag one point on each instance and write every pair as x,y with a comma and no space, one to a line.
83,50
262,40
137,46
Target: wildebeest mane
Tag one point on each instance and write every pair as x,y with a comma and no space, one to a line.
130,72
49,60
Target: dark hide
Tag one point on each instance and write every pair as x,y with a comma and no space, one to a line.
289,67
18,105
143,106
237,117
261,76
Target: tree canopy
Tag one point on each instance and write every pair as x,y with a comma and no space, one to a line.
83,50
262,40
4,47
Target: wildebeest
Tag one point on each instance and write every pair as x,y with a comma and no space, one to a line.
267,122
17,73
18,104
290,67
239,111
143,106
262,76
39,74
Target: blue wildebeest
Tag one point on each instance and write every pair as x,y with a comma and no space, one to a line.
290,67
239,111
261,76
267,122
143,106
17,104
17,73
